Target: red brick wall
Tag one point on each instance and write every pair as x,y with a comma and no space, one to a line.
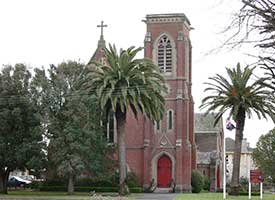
143,144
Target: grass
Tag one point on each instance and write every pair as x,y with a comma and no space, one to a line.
219,196
53,195
36,193
86,195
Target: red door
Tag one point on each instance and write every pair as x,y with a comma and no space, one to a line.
164,171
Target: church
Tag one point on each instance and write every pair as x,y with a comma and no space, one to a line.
163,154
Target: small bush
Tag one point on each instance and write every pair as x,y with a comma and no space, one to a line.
206,183
196,181
35,185
136,190
132,180
55,182
244,193
244,184
52,188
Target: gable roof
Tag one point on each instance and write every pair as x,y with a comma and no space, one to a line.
205,123
230,143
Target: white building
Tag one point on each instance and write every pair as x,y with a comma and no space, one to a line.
246,158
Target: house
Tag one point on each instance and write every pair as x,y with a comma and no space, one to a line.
209,141
246,163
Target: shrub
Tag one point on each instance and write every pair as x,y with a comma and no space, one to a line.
206,183
245,193
106,182
244,184
132,180
136,189
196,181
45,188
87,189
55,182
35,185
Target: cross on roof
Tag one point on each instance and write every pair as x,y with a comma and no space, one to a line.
102,25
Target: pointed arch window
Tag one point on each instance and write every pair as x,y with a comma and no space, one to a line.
158,126
109,127
164,55
170,120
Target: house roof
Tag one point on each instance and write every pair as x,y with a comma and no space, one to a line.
230,143
205,123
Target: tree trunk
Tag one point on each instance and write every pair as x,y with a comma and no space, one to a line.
235,181
121,120
71,182
4,176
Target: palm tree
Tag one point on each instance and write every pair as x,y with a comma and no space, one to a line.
125,83
241,96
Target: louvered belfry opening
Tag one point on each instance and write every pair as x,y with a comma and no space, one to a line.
165,54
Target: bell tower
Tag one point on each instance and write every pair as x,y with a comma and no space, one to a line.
167,43
163,153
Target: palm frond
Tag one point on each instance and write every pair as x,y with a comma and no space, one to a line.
236,94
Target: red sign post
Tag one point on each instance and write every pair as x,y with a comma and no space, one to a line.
256,176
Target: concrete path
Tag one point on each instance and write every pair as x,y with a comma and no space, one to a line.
156,196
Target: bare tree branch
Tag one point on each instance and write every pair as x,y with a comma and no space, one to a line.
255,24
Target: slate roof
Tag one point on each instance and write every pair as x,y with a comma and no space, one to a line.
230,143
205,123
206,157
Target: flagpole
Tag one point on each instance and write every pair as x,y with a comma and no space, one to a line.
224,168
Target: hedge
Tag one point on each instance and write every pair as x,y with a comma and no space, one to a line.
136,190
245,193
87,189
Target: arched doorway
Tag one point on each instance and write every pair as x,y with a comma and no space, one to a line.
164,171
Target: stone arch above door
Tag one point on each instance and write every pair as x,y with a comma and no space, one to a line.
154,165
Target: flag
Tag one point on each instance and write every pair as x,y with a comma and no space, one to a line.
229,125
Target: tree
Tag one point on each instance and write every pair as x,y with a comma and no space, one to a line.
21,141
254,24
124,84
264,154
71,122
241,96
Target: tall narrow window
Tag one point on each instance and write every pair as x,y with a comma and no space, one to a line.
165,54
157,126
109,127
170,119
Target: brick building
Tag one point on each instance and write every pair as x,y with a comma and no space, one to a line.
209,141
163,153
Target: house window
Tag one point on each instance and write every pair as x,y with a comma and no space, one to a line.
157,126
164,56
170,120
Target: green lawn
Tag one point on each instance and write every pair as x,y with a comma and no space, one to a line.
219,196
34,193
23,194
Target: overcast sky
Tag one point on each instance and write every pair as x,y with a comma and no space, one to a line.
43,32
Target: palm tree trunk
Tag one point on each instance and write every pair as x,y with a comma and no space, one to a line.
235,181
121,120
71,182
